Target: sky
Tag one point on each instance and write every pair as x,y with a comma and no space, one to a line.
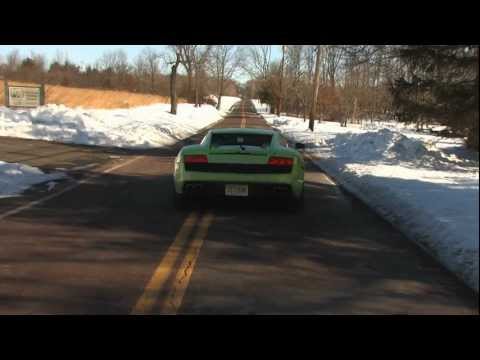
87,54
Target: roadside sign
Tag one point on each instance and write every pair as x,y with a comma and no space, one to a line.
24,95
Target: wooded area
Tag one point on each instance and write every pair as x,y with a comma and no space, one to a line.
424,84
148,73
349,84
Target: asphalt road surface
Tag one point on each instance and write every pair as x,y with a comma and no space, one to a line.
110,241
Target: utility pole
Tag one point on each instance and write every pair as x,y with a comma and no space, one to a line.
316,83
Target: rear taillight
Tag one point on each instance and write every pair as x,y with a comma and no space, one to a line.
280,161
195,159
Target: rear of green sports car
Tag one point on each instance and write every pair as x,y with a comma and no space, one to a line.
240,162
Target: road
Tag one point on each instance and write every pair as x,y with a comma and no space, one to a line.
110,241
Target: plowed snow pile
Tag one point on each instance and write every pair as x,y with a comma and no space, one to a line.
384,145
15,178
226,103
425,185
141,127
260,107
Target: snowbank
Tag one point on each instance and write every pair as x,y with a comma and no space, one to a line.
140,127
425,185
259,107
226,104
15,178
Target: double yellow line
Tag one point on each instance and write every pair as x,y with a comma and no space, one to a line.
173,298
244,119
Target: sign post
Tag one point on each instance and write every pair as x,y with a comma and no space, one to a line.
24,96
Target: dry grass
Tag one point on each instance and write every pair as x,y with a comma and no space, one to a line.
93,98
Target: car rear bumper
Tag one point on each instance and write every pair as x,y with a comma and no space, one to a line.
259,183
255,190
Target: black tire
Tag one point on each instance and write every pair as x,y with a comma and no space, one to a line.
295,204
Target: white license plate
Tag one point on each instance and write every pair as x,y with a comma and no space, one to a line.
236,190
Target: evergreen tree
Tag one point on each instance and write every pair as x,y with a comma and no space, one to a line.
439,84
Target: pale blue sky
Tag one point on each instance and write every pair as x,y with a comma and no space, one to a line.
88,54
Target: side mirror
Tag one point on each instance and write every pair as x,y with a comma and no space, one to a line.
299,146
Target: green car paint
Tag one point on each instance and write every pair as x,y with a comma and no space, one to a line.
242,155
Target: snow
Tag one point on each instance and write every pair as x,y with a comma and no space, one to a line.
425,185
139,127
51,185
260,107
16,178
226,103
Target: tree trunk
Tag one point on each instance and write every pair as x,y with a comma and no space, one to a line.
280,99
472,134
189,85
354,115
196,88
220,94
316,84
173,89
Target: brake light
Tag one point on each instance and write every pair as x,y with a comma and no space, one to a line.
195,159
280,161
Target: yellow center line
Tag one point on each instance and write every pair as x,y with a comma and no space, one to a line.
149,297
174,299
244,119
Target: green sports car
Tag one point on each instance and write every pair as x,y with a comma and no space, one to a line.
240,162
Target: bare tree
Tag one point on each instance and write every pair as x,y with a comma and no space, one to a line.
13,60
333,56
260,61
316,84
200,56
308,66
115,66
151,60
61,57
280,91
187,59
368,71
114,59
223,63
293,78
140,71
173,59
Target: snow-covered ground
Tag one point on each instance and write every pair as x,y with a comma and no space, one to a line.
15,178
260,107
139,127
226,104
425,185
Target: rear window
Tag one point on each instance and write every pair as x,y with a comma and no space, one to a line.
259,140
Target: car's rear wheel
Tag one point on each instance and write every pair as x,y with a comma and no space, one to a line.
297,204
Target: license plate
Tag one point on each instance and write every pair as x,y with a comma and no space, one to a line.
236,190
